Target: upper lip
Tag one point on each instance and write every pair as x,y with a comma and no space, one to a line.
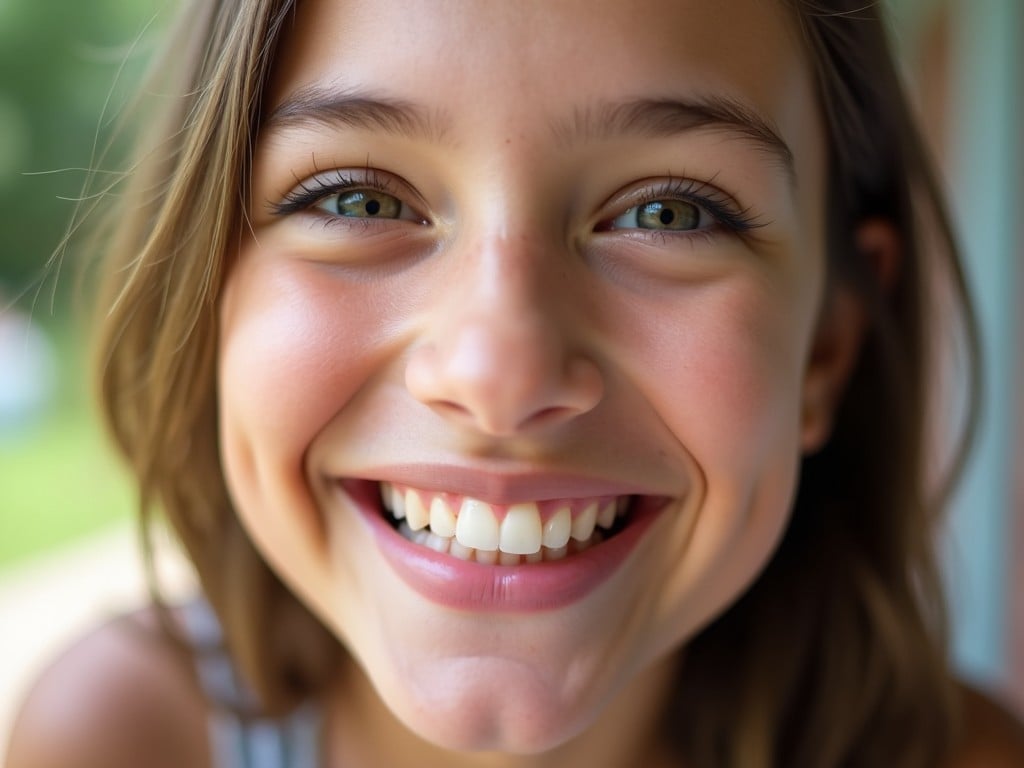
503,486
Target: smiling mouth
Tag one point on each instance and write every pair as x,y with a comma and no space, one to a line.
512,534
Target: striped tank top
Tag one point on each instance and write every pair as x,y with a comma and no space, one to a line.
238,741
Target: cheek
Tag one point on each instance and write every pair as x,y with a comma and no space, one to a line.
751,381
723,370
293,352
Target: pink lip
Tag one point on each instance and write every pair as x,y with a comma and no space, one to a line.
526,588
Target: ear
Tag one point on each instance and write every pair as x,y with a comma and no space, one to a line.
842,326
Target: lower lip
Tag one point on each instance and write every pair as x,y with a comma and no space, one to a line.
527,588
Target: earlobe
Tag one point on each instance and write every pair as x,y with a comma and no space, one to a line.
842,325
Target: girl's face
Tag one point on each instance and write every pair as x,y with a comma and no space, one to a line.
514,267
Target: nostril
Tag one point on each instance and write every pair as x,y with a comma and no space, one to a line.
545,416
451,408
492,421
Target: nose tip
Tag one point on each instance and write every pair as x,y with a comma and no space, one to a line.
504,380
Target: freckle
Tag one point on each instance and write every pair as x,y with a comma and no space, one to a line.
508,141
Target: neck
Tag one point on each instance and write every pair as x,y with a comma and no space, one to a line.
361,732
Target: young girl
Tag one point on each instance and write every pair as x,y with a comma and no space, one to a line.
531,384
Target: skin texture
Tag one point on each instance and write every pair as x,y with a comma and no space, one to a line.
502,326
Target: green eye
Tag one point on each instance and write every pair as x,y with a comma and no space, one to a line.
363,204
669,215
676,208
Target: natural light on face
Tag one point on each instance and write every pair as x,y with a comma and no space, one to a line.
513,356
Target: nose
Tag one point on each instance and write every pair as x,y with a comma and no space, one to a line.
503,353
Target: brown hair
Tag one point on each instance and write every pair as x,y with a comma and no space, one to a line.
834,657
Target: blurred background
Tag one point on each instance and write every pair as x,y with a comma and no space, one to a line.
67,553
67,549
58,61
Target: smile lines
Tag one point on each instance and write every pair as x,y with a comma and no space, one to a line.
471,529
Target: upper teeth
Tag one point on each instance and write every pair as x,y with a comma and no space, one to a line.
521,531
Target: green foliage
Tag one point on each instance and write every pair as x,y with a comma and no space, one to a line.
59,478
66,69
59,62
58,483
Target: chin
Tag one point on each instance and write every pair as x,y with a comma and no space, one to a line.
477,719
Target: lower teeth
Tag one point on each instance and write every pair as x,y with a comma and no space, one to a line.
451,546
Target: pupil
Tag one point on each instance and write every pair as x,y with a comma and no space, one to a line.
666,216
373,207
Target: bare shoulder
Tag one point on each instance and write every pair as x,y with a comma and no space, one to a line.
123,695
993,736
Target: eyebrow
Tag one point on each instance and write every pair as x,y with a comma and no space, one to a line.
316,105
664,118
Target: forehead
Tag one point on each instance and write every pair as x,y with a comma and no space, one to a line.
495,64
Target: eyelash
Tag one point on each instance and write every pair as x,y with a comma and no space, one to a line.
722,207
304,197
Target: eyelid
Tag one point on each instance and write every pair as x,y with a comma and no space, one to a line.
721,206
314,189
